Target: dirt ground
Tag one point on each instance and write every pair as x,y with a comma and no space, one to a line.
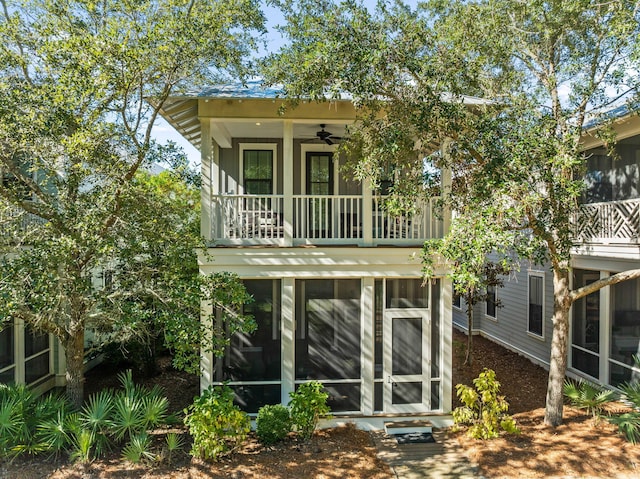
578,448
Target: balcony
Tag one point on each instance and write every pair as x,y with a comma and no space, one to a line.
608,223
318,219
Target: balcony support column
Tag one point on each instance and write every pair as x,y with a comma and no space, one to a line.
287,188
446,190
210,169
367,213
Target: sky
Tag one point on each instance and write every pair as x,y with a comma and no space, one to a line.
164,132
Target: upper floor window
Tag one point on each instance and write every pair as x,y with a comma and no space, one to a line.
491,302
536,304
258,169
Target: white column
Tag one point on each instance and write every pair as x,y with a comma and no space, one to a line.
287,179
367,345
209,182
18,351
446,189
446,334
288,339
605,326
367,213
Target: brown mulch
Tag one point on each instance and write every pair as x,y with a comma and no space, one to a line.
578,448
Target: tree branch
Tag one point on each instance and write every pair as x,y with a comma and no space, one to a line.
601,283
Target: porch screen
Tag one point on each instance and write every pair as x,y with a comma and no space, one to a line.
36,353
253,359
7,360
328,338
585,330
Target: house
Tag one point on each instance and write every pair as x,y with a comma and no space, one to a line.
336,280
605,326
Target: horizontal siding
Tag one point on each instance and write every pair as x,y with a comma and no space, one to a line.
510,327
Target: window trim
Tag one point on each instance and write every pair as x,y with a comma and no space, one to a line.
486,314
273,147
541,275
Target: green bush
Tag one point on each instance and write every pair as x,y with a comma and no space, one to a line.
586,395
273,423
30,424
307,404
484,411
629,423
217,426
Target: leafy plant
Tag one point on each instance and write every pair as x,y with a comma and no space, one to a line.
273,423
22,417
82,444
138,449
484,410
174,442
307,404
96,417
217,426
588,396
629,423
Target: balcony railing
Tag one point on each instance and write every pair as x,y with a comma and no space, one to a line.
318,219
610,222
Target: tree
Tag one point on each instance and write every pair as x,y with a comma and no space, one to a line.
75,130
537,71
476,263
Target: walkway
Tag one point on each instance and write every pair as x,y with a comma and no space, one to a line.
442,459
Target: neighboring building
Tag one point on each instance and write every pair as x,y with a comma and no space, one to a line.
605,326
336,280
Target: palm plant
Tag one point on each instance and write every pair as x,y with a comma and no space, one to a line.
138,449
174,442
96,418
83,442
588,396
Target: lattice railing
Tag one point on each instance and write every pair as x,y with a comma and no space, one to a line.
605,222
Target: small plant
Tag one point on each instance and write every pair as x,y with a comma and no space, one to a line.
307,404
217,425
588,396
174,442
82,444
484,411
629,423
138,449
273,423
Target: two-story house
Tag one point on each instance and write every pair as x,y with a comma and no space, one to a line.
336,280
605,326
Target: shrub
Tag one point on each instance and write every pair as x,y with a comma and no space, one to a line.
484,411
629,423
273,423
217,425
588,396
30,424
307,404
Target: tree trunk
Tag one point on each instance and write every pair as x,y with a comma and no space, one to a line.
559,344
74,354
468,358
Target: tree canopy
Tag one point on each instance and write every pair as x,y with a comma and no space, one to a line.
507,85
81,86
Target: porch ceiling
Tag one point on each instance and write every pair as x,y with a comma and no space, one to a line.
183,113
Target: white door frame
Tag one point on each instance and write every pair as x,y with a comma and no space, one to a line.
391,380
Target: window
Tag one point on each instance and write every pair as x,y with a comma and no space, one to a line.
536,304
457,298
491,302
406,293
257,169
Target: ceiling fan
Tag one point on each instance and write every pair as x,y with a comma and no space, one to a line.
327,136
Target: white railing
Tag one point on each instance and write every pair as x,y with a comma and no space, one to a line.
325,217
421,225
614,221
247,219
14,220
